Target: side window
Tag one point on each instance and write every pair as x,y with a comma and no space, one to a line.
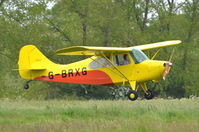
99,63
122,59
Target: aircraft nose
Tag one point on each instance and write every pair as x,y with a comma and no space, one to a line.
167,63
167,66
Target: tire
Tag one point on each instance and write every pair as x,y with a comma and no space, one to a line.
26,86
150,95
132,95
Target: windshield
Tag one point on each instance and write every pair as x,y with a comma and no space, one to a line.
138,56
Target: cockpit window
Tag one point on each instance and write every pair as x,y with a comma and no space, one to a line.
121,59
138,56
99,63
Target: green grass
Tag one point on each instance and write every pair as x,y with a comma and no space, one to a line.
156,115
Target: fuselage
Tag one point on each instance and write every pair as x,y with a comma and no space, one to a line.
91,71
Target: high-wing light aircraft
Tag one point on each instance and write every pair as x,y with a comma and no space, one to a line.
112,66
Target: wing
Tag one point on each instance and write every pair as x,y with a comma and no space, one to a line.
89,50
157,45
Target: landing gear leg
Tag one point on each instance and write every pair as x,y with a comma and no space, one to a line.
132,94
149,94
26,86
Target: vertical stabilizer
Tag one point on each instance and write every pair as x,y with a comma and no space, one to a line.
31,60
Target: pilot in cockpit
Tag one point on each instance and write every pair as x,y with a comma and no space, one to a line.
126,60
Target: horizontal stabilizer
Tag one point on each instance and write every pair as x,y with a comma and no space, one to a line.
34,69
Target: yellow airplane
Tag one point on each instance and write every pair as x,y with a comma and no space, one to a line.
111,66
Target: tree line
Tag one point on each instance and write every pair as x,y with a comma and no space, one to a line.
51,25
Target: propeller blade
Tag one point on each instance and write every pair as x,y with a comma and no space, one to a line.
171,56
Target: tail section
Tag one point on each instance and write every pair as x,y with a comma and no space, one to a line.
31,60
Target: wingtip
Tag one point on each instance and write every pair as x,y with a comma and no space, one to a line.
177,41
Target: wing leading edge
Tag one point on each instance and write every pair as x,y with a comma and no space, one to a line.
91,50
157,45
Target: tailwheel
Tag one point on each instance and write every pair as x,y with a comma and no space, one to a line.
132,95
150,94
26,86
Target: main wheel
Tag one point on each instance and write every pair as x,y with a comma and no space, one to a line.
26,86
132,95
150,94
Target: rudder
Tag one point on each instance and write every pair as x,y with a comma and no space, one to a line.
31,59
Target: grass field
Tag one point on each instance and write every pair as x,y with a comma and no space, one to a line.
156,115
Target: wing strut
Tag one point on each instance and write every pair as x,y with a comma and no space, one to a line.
155,54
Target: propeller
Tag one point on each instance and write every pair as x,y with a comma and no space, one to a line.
167,65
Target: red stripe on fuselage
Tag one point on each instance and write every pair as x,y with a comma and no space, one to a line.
92,77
